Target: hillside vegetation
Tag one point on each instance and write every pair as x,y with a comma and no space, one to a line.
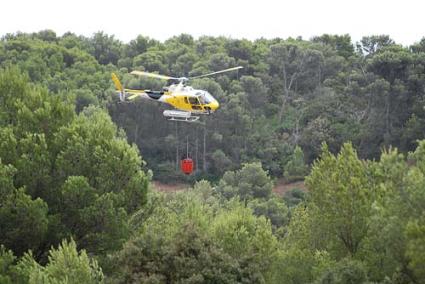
76,201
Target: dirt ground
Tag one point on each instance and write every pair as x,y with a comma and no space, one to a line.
163,187
280,188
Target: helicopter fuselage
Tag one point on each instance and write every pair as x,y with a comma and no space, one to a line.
183,98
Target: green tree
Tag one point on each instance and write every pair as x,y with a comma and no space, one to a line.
415,228
23,220
341,43
291,62
7,262
105,48
415,231
220,162
151,61
340,199
256,92
249,182
299,260
295,168
192,257
91,147
248,238
68,175
345,271
372,44
66,265
137,46
273,209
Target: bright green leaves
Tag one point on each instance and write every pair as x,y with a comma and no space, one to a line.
249,182
189,237
415,229
419,156
415,232
108,182
6,180
192,257
295,168
239,232
341,197
65,265
370,212
90,147
7,260
31,109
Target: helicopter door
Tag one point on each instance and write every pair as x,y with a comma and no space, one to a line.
194,102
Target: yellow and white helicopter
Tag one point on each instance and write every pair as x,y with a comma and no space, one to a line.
187,101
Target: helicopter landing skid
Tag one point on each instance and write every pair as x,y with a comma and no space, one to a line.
176,115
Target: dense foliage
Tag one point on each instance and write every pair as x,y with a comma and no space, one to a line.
75,203
63,175
290,92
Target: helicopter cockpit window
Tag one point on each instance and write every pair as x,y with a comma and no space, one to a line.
204,97
208,98
200,98
193,100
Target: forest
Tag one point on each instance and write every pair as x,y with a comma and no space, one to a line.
78,203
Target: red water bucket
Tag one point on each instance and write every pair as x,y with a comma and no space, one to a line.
186,166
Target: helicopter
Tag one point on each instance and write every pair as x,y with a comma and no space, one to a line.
188,102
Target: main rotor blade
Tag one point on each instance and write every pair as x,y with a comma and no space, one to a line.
217,72
152,75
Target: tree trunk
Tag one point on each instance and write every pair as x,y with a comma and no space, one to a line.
196,153
282,106
136,134
387,119
296,133
177,148
204,159
286,90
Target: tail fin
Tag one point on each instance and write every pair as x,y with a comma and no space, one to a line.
118,86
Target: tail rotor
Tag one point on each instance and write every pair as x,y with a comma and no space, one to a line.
118,86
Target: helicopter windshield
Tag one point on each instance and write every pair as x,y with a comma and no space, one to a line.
205,97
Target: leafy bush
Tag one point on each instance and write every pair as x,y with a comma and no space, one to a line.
249,182
295,169
65,265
